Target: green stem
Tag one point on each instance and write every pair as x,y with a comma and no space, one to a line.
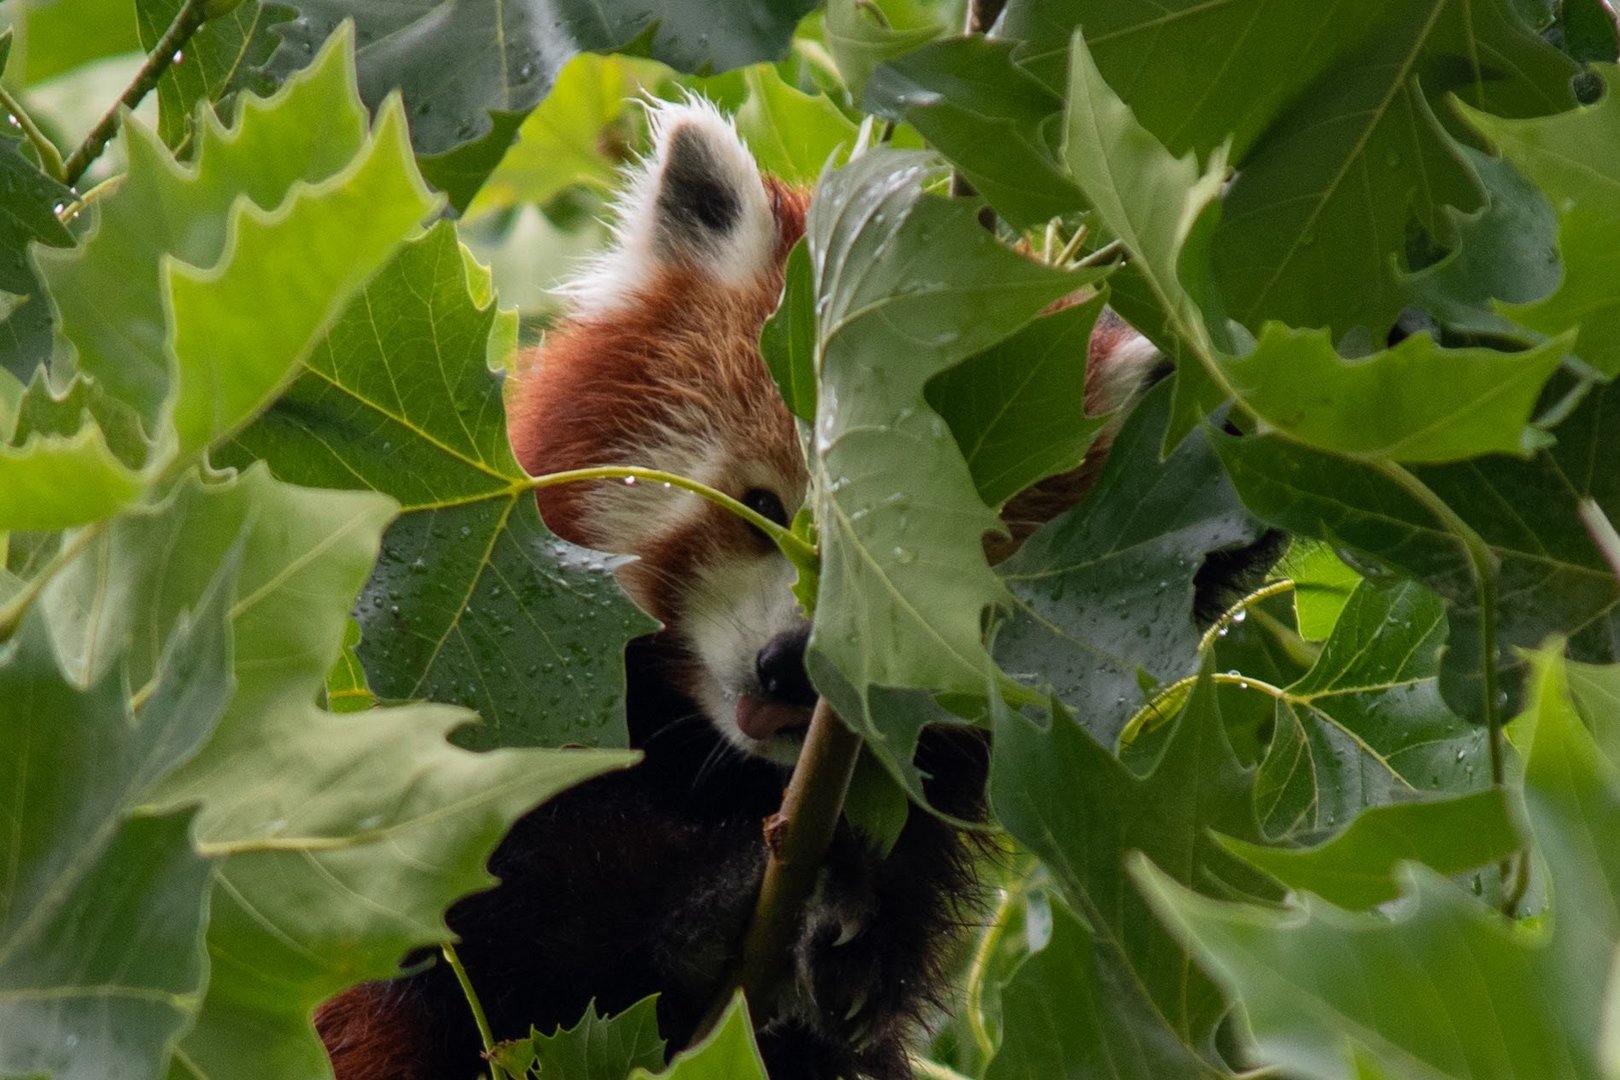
979,969
797,551
1265,592
50,159
933,1070
11,614
495,1071
1483,564
797,838
190,17
1602,531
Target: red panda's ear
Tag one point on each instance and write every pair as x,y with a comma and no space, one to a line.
697,200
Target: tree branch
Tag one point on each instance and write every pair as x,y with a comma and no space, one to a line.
191,16
797,837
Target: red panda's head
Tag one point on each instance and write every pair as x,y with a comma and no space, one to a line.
657,364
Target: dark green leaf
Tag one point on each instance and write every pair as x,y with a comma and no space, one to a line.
596,1048
1077,807
1357,868
861,36
27,215
1068,1013
460,66
1017,410
1366,725
1575,159
1551,578
906,286
218,61
995,123
788,339
473,601
1106,590
1328,995
102,907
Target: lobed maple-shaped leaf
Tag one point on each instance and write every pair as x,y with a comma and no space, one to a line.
985,113
111,292
103,904
906,285
1366,724
1074,804
28,215
596,1048
473,601
341,839
1328,995
726,1053
219,61
1551,579
1359,868
469,73
1573,158
1105,590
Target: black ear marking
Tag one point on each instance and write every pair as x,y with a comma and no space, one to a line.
696,204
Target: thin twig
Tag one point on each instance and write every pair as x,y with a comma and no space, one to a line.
797,837
191,16
477,1007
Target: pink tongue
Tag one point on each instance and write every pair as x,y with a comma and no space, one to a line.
760,719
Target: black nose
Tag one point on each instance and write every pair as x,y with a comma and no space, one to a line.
780,666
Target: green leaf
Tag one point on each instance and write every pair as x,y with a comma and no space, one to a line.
1106,590
1322,586
1551,579
596,1048
1508,251
1357,867
463,112
56,482
860,36
727,1053
1415,402
576,135
996,123
111,292
906,286
1575,159
793,135
1017,410
102,906
298,266
1596,692
473,601
218,61
787,341
55,37
1160,207
1329,995
361,829
1074,804
1366,725
27,215
1061,1008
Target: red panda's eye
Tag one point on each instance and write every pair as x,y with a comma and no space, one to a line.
766,504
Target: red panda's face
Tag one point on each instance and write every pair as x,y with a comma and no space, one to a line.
658,366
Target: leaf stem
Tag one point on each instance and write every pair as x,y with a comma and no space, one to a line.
11,614
797,551
1484,565
50,159
1602,532
1265,592
190,17
978,971
797,838
933,1070
477,1007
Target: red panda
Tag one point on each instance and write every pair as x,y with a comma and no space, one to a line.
642,882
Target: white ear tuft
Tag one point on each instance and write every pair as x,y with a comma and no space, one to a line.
697,200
